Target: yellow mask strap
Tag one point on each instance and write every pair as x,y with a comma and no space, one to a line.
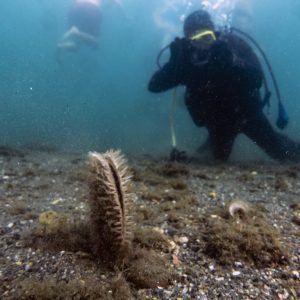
203,33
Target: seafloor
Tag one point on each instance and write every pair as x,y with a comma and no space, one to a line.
180,214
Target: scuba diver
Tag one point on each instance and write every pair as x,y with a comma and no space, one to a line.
223,77
84,25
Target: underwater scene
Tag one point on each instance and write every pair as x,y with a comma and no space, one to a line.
150,149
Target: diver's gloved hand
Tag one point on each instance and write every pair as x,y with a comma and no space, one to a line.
180,50
220,54
176,155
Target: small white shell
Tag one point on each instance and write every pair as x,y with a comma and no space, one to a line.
238,206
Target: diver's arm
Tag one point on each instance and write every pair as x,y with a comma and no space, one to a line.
164,79
173,72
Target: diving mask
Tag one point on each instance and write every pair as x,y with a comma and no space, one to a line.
207,37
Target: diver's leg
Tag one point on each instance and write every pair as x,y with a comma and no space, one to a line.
73,31
195,108
66,46
67,43
86,38
276,145
74,36
221,142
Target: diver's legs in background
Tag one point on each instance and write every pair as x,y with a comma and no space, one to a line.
72,40
275,144
68,43
221,142
65,46
83,37
74,36
70,33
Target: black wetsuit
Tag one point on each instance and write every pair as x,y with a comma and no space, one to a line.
222,94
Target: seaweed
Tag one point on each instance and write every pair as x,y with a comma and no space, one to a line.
151,238
58,234
120,288
50,288
143,213
147,269
243,236
282,184
178,185
172,169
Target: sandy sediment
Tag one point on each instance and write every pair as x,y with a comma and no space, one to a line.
185,235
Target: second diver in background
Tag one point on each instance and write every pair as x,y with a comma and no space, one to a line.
84,22
84,25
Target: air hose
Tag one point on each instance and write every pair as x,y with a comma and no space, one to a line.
283,118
